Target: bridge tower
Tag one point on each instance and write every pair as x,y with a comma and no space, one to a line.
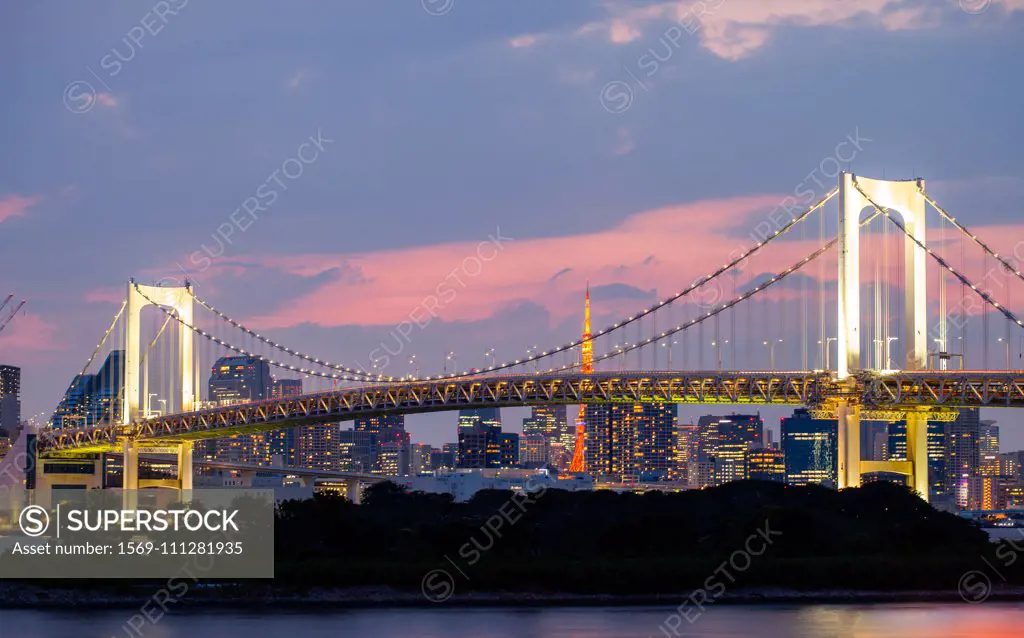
587,367
905,197
178,298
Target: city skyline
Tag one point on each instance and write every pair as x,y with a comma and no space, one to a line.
649,176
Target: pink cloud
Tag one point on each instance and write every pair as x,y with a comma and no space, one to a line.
16,205
106,99
29,333
523,41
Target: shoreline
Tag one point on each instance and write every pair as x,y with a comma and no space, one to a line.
367,598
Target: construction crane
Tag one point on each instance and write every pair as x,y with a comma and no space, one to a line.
6,301
6,320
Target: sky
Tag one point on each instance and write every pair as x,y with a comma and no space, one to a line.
320,170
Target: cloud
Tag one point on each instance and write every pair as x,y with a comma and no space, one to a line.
17,205
523,41
734,29
106,99
297,79
28,332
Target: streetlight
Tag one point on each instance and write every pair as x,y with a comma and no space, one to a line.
668,348
1006,342
717,345
771,349
163,406
416,364
888,349
450,356
149,403
490,353
828,361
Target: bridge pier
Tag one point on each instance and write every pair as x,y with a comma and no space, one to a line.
848,425
917,451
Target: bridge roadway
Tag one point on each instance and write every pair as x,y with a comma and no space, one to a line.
892,391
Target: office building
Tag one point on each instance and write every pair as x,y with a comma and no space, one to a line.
534,451
766,464
393,459
319,447
963,454
384,429
508,449
421,458
988,449
93,399
243,379
356,451
726,441
240,379
478,431
811,449
549,420
938,466
686,450
443,458
10,400
630,442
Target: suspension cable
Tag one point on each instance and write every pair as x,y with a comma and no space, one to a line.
981,293
278,346
664,302
973,237
106,334
245,352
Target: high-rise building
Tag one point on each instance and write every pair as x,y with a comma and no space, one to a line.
478,432
239,380
92,399
421,459
508,449
444,458
727,440
631,442
686,450
242,379
988,449
534,451
393,459
938,467
811,449
384,428
319,447
549,420
356,451
963,454
10,400
766,464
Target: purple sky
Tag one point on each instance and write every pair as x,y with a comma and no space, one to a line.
633,144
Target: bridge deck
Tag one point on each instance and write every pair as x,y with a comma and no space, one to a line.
932,389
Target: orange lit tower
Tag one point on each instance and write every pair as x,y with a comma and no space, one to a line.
587,367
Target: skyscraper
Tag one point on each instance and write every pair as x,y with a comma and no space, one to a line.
766,464
938,467
383,428
549,420
10,400
726,441
320,447
239,380
988,449
235,380
534,450
963,454
630,442
811,449
478,432
92,399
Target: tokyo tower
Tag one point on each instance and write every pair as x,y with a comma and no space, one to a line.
587,367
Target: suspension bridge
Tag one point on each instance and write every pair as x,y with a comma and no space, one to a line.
628,361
